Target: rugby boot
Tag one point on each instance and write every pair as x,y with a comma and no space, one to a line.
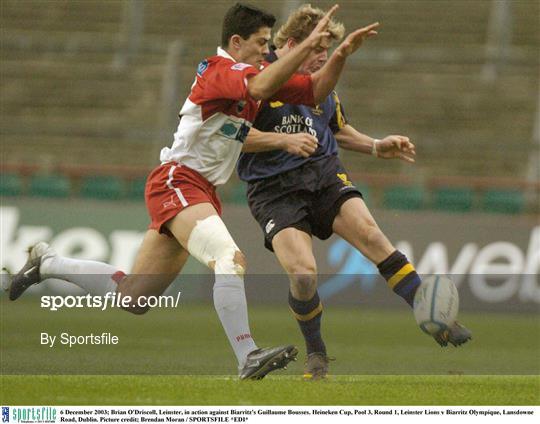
262,361
456,334
316,367
29,273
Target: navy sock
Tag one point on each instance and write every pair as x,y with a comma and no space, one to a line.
400,275
308,315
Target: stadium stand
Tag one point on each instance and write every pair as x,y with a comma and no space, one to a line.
135,189
50,186
10,185
503,201
102,187
404,197
73,93
455,199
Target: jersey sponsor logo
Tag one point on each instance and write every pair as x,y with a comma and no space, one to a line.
203,66
344,179
269,226
240,66
294,124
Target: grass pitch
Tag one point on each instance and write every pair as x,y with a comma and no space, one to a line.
181,357
214,390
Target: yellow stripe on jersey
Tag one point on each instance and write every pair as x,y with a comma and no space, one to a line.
400,275
310,315
340,118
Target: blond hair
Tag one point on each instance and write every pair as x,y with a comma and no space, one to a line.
300,24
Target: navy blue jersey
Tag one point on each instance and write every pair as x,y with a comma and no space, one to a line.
322,122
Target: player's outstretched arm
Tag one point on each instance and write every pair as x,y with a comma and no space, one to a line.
390,147
263,85
327,77
300,144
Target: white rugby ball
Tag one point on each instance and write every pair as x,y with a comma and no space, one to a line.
436,304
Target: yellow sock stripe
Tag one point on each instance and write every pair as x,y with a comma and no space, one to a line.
400,275
310,315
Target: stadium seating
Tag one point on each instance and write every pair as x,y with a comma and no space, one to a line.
102,187
404,198
135,189
49,186
10,185
236,194
503,201
453,199
366,193
68,96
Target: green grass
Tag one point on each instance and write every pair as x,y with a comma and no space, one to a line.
214,390
180,356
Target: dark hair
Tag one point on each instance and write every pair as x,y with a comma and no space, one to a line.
244,20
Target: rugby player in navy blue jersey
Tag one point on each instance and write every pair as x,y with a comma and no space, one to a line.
297,187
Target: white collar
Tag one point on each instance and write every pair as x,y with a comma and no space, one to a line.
223,53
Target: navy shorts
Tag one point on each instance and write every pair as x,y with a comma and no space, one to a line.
307,198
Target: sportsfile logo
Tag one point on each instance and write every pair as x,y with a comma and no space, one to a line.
44,414
110,300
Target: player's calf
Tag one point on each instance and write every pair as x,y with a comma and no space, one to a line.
138,288
134,306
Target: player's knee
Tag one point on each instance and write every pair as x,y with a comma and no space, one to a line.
230,262
211,243
303,278
302,268
240,262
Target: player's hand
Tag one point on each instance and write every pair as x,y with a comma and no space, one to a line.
300,144
320,32
355,39
396,147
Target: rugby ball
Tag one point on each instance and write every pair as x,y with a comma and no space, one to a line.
436,304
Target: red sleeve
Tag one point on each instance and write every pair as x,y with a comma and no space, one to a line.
225,79
297,91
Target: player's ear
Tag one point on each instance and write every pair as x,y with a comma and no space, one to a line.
291,43
235,42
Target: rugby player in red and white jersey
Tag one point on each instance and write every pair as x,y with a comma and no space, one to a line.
180,193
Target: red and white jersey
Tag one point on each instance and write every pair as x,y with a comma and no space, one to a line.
218,114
